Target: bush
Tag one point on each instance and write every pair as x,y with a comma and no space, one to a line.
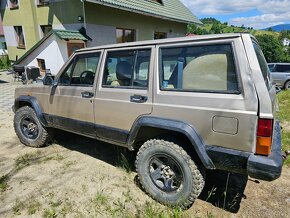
5,63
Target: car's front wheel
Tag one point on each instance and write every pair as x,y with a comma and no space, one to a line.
29,129
168,174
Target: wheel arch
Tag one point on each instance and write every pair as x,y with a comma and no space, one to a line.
154,126
32,102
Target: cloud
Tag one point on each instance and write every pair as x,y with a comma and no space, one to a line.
271,12
261,21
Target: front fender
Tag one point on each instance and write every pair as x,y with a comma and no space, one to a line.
34,104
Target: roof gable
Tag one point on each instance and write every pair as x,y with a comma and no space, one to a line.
166,9
61,34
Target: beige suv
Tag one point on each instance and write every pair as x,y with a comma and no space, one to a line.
186,104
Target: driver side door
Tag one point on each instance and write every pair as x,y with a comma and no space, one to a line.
71,101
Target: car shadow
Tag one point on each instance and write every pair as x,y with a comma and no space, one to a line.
109,153
222,189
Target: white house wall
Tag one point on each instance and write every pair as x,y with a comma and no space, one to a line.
52,50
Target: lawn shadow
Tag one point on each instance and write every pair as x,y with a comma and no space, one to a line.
222,189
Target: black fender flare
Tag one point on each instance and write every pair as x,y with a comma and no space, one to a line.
34,104
173,125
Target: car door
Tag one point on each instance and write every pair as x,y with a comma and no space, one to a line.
71,101
281,74
123,93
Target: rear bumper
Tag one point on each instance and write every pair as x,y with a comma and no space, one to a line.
256,166
268,168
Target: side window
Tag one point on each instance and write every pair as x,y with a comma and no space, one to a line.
198,68
81,71
128,68
263,64
283,68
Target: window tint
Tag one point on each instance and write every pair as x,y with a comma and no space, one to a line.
127,68
263,64
282,68
199,68
81,71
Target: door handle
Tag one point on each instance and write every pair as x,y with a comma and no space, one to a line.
87,94
138,98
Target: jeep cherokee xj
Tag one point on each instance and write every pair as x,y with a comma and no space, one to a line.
186,104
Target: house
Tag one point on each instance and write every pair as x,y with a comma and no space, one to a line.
53,50
3,50
26,22
286,42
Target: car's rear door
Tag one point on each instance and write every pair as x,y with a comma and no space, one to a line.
123,92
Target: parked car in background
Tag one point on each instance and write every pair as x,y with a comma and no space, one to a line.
280,73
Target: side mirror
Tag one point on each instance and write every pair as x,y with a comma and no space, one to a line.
49,80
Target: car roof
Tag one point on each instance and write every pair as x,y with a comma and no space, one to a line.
165,41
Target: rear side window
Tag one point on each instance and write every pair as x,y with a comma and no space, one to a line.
127,69
208,68
282,68
263,64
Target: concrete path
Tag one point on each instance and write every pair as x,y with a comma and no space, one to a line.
7,88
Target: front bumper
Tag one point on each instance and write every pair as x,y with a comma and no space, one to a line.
268,168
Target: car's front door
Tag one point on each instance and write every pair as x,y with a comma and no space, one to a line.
124,91
71,101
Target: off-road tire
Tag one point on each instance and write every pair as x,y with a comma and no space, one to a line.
44,135
193,179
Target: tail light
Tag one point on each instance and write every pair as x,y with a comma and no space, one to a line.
264,136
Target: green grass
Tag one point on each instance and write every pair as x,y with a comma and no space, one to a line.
284,116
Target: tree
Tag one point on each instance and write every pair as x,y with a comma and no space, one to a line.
192,28
272,47
216,29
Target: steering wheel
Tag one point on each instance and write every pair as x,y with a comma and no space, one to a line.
87,77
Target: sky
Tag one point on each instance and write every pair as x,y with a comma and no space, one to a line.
259,14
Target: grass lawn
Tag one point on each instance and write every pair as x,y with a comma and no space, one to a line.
284,116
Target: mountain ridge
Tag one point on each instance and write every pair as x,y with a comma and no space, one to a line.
279,28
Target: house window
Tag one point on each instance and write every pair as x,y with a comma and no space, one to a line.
41,65
42,2
13,3
45,29
125,35
158,1
160,35
19,36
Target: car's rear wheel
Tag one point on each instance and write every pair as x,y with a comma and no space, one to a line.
29,129
168,174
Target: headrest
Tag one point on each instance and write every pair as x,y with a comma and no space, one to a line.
123,70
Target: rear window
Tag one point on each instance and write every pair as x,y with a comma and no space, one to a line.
207,68
263,64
